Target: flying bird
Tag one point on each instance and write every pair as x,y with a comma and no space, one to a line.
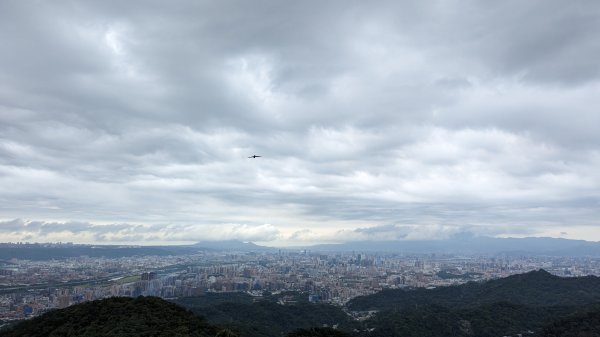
254,156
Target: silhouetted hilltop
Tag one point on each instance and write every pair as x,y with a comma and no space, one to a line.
233,245
117,316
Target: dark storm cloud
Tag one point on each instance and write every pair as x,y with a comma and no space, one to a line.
413,118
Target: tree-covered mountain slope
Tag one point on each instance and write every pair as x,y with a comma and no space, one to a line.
536,288
266,317
117,316
519,304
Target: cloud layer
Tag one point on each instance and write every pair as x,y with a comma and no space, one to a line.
133,121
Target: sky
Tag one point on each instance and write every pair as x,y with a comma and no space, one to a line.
132,121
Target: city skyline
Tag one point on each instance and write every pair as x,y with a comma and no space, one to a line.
133,122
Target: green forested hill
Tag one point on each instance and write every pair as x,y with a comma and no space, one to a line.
536,288
266,317
498,319
516,304
151,316
118,316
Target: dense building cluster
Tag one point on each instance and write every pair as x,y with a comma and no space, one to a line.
29,288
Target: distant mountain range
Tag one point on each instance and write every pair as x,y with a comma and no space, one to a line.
461,244
467,244
45,252
48,252
231,245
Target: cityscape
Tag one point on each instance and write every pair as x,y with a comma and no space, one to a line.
30,288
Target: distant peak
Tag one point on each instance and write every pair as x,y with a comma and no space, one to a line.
229,245
539,273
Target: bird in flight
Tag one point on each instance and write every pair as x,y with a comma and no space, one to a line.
254,156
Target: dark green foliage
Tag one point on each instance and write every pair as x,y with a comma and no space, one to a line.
272,319
516,304
226,333
498,319
536,288
317,332
581,324
265,317
119,316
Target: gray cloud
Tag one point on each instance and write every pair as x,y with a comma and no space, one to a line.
434,115
26,230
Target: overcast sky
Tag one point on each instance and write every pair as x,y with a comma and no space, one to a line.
131,121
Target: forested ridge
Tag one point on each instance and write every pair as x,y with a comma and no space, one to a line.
519,304
117,316
266,317
536,288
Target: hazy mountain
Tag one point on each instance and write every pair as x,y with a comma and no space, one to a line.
48,252
460,244
467,244
231,245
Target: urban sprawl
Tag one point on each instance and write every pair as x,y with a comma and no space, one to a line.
30,288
